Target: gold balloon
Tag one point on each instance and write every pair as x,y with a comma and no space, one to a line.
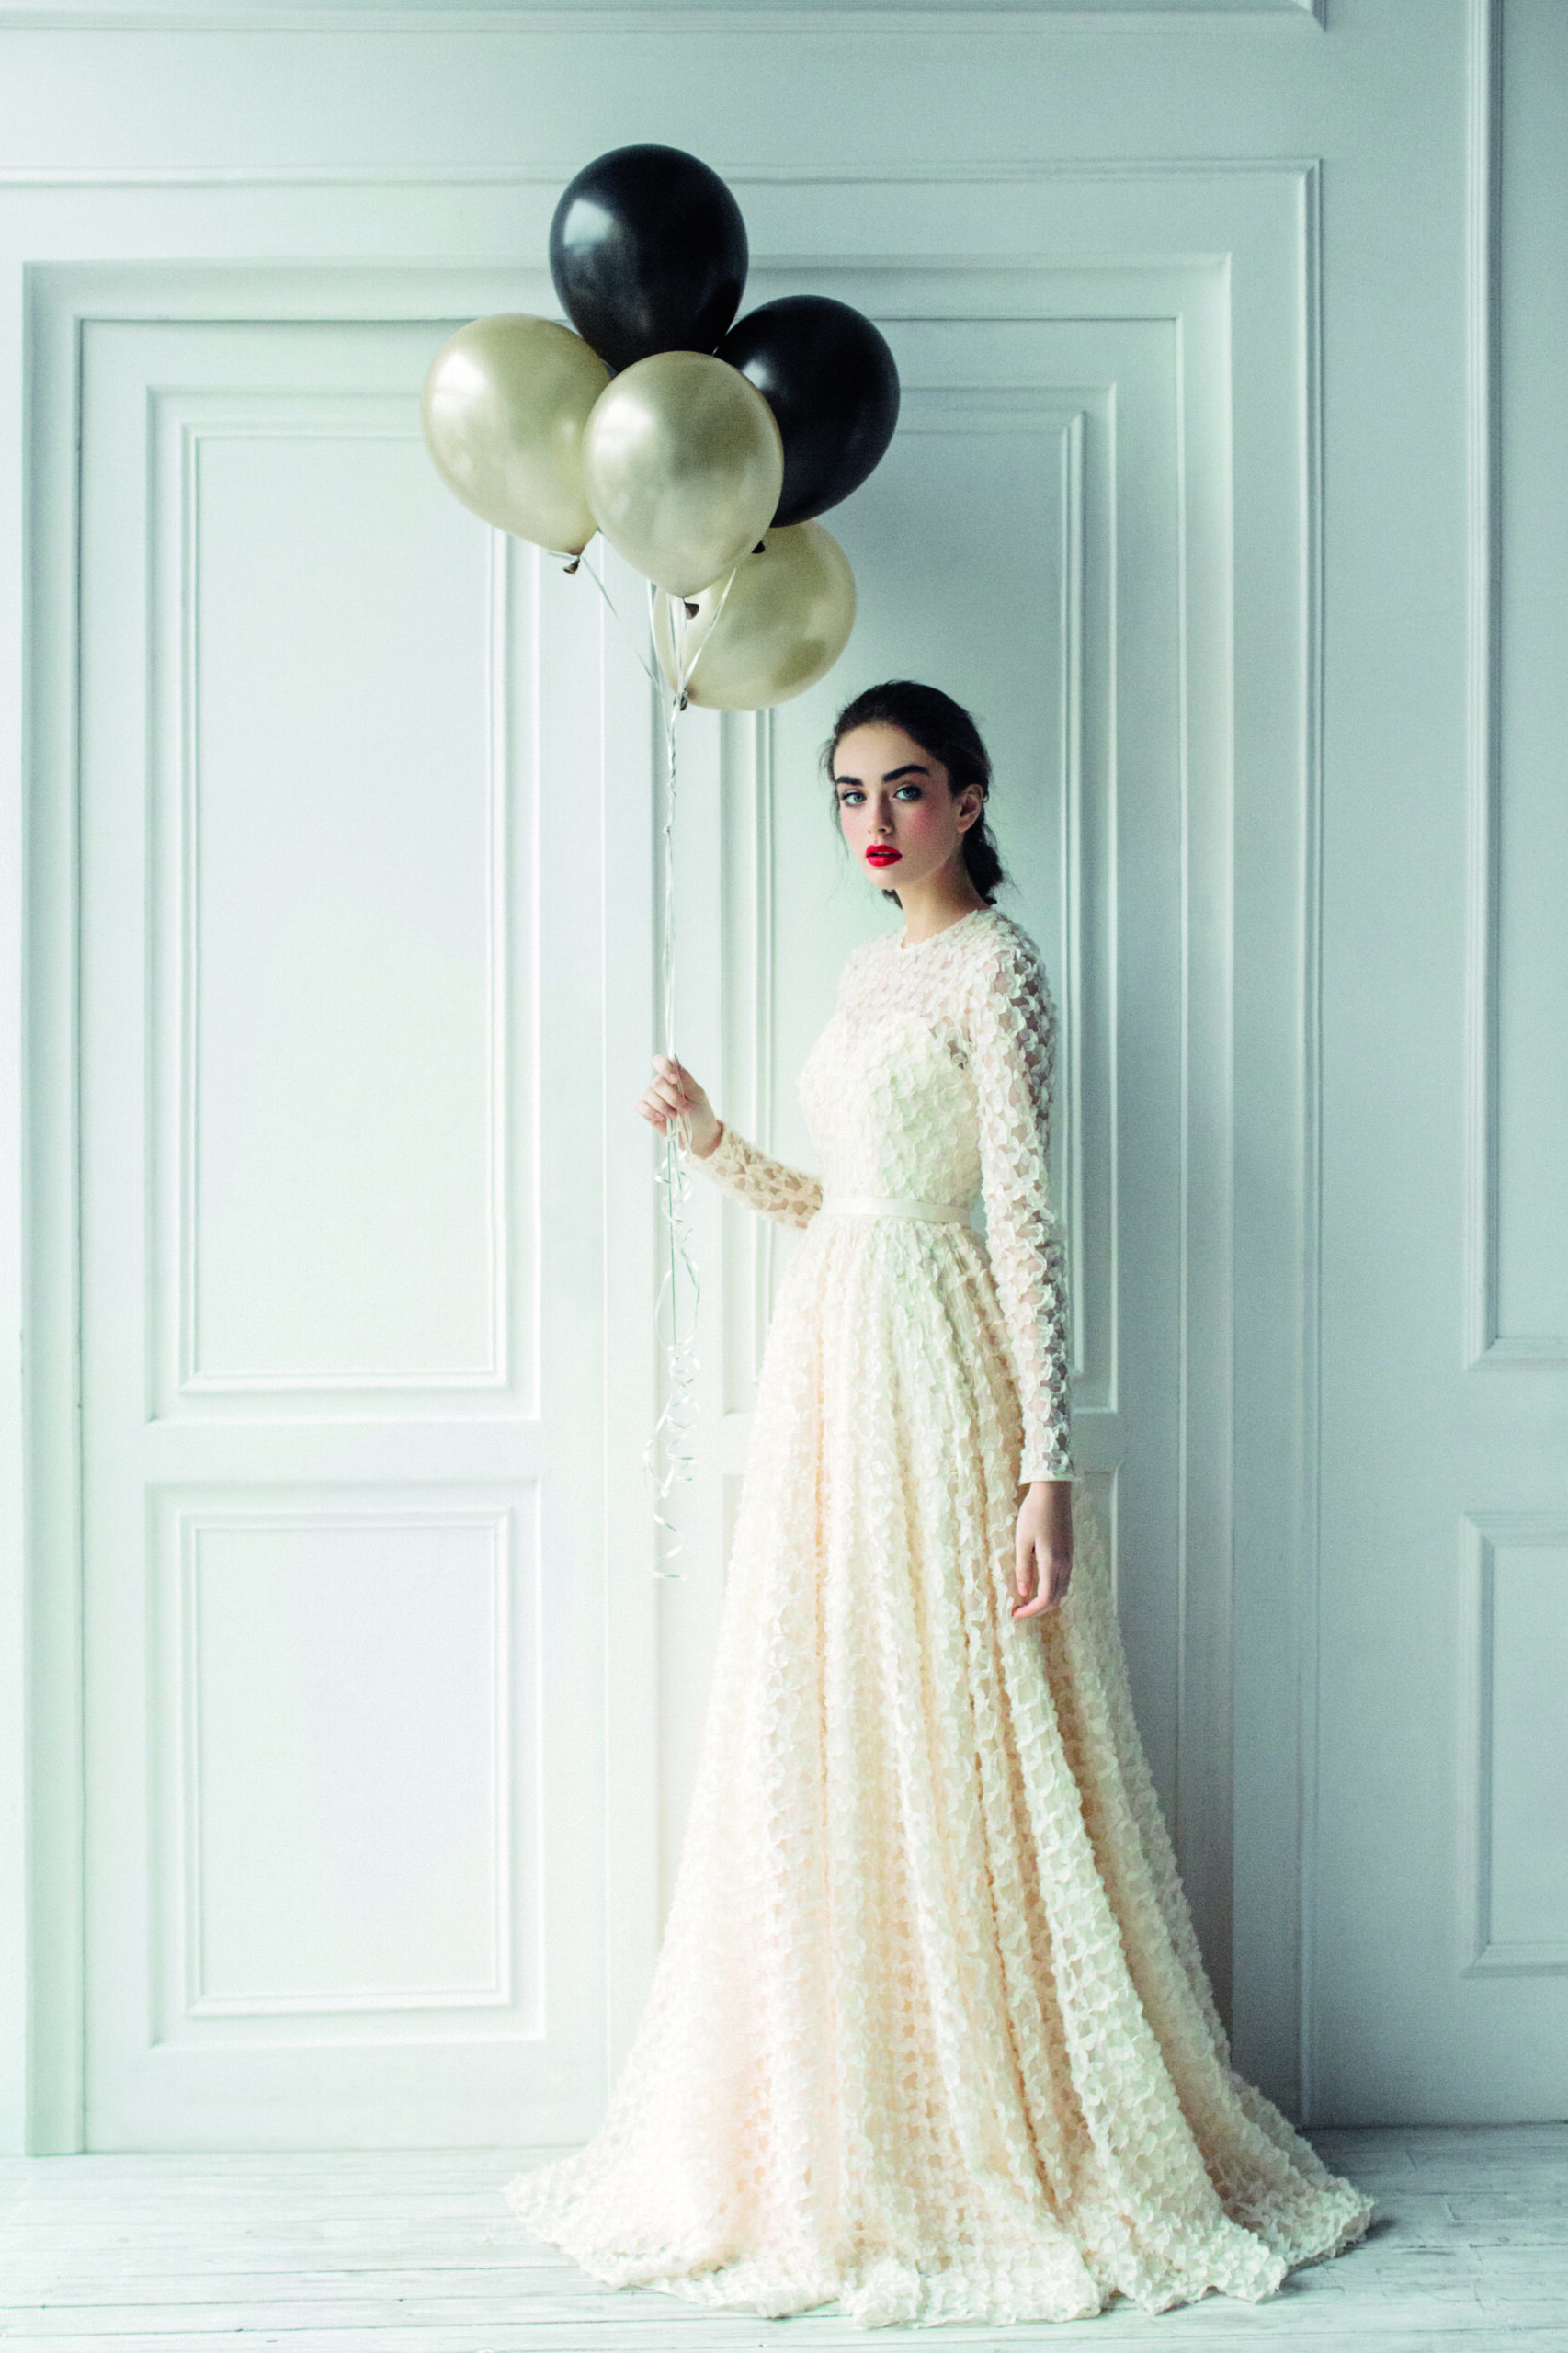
781,626
683,466
504,407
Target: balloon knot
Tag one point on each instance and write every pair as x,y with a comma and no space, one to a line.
692,609
572,565
761,548
683,704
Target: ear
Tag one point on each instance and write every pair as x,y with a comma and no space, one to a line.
970,803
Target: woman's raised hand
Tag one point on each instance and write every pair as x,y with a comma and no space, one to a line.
675,1091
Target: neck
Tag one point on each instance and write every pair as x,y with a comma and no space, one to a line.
943,898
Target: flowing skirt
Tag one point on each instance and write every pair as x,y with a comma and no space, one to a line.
929,2032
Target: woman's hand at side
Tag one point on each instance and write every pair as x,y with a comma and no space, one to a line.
676,1092
1045,1562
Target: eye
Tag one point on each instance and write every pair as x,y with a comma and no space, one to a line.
915,790
848,799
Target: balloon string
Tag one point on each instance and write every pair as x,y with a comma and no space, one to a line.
670,1454
580,563
679,632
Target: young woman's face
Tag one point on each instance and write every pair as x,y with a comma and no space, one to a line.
901,819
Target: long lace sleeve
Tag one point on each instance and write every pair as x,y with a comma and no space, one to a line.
765,1184
1013,1049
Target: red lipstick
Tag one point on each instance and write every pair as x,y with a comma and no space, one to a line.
880,855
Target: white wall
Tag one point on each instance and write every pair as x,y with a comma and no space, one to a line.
1438,1943
1226,490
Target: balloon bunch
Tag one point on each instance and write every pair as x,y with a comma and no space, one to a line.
701,448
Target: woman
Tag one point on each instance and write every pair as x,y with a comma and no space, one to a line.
929,2031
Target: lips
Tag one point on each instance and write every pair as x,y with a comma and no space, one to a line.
880,857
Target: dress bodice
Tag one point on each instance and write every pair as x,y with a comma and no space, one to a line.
933,1080
888,1091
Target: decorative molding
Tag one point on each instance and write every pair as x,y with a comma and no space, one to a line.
1481,229
332,423
1482,1953
47,354
1485,1345
183,1532
984,172
1308,1628
1070,757
1094,18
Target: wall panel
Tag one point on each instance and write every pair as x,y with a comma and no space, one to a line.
1514,1798
343,1455
331,1670
1023,537
349,1007
345,1050
1531,627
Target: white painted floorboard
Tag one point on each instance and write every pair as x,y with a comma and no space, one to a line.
416,2252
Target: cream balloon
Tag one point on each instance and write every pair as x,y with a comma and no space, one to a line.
683,465
780,625
503,408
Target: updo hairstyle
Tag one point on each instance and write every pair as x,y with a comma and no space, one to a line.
944,730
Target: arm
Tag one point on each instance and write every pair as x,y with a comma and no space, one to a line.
787,1194
765,1184
1013,1049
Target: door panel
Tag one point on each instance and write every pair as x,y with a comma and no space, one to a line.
343,1414
1440,1942
1018,547
1023,545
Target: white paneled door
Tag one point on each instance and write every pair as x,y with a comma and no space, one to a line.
342,1265
365,835
343,1149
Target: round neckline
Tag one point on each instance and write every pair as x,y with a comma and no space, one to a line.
913,947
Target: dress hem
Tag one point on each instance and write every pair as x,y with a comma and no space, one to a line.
888,2292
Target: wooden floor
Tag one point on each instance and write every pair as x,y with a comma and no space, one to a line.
416,2253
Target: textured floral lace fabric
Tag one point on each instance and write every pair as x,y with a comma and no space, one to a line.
930,2033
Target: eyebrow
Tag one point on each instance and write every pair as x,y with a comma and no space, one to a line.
910,768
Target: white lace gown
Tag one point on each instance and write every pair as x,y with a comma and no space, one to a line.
930,2033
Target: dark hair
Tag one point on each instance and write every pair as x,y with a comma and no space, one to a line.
942,727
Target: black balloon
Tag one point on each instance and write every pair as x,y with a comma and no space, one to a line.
648,252
831,381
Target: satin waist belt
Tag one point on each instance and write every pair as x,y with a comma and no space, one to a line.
893,1205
